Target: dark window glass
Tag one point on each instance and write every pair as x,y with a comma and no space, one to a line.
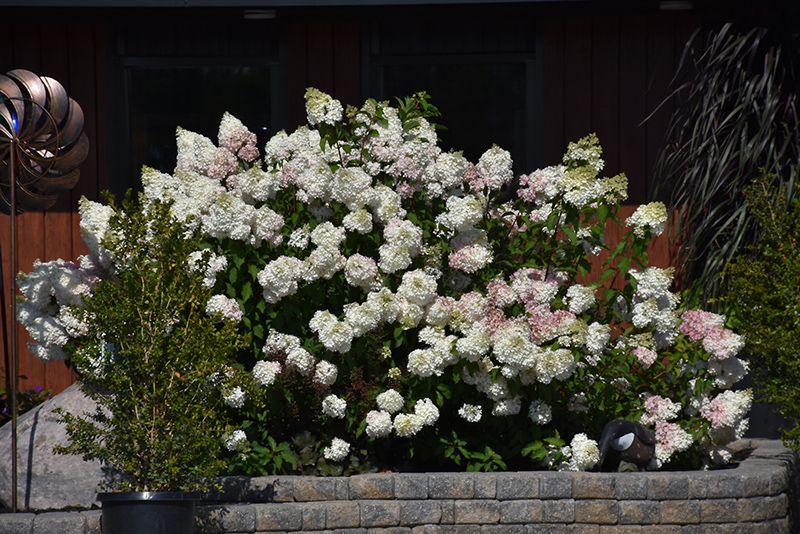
161,99
480,71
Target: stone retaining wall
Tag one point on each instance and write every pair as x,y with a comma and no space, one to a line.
759,496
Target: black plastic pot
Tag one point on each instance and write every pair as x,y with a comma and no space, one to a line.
148,512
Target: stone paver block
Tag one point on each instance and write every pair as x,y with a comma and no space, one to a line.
546,529
485,485
620,529
757,484
593,486
525,511
596,511
752,509
718,510
680,512
451,486
315,489
19,523
502,529
724,485
639,512
278,516
59,523
630,486
315,516
218,518
342,514
555,486
426,529
448,512
517,486
380,513
460,529
583,529
380,486
389,530
661,529
411,486
420,512
92,518
483,512
776,506
558,511
663,486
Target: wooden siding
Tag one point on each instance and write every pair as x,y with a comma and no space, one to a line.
74,55
602,74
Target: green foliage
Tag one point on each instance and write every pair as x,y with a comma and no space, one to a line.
764,295
149,359
737,115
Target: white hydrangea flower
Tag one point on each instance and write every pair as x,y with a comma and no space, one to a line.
325,373
338,450
540,412
580,298
652,216
427,411
265,372
361,271
390,401
321,107
94,222
507,407
407,425
301,359
279,278
417,287
470,412
234,398
235,441
300,237
653,282
463,213
379,424
334,406
495,168
228,308
582,452
556,364
358,221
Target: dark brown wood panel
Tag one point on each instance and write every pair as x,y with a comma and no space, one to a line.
577,79
553,89
633,105
605,90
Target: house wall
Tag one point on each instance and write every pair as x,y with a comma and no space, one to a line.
600,73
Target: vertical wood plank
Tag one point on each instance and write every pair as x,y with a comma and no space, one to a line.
58,219
633,105
6,274
347,62
30,226
577,80
660,72
553,89
320,56
297,79
605,90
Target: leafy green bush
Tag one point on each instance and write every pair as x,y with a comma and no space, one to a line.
149,355
765,292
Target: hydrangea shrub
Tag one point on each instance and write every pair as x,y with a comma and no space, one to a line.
401,316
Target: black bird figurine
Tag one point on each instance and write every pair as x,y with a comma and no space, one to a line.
625,446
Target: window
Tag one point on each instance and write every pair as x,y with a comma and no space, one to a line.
481,74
